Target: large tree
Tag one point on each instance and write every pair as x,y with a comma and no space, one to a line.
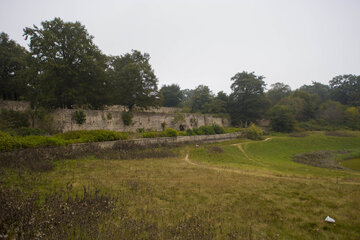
69,67
200,98
247,101
321,90
277,92
133,81
12,65
171,95
346,89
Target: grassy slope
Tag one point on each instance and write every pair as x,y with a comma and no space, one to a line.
171,194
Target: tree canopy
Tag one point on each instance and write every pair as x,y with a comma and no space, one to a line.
133,81
171,95
12,66
69,67
346,89
247,100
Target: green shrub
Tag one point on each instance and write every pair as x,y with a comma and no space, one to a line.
92,136
282,119
8,142
206,130
171,132
254,132
127,118
14,119
218,129
149,135
182,133
189,132
79,117
40,141
25,131
163,125
140,130
232,129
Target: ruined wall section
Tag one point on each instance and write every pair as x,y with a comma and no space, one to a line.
14,105
112,120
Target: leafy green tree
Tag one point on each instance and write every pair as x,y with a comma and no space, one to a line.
200,98
331,113
247,102
282,119
352,118
133,81
346,89
68,68
218,104
12,64
302,105
319,89
171,95
277,92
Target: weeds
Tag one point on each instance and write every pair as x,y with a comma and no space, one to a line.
61,215
215,149
324,159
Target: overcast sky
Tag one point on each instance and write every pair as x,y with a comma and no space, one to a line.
207,42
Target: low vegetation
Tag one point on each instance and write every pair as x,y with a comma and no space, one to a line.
9,142
152,193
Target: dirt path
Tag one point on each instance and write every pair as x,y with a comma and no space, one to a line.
258,174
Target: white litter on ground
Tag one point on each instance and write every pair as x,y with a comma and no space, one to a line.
329,219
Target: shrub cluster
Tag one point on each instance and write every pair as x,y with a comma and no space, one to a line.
82,136
203,130
14,119
79,117
127,118
169,132
9,143
232,129
254,132
206,130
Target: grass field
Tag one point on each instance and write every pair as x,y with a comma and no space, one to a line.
239,189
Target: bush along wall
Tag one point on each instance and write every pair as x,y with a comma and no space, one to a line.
10,142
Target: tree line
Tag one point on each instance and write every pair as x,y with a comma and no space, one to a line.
311,107
63,68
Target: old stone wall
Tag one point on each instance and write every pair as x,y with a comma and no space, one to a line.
14,105
112,120
154,110
158,141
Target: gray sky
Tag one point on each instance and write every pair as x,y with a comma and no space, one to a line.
208,42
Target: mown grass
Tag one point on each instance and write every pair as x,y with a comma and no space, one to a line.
270,197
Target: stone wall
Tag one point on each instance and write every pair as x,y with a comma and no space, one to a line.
14,105
112,120
153,110
157,141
